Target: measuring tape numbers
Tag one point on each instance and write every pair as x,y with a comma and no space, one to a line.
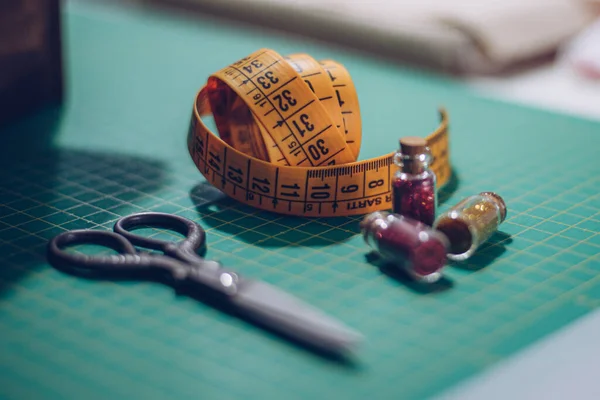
289,138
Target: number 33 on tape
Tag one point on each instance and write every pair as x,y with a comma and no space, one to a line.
289,138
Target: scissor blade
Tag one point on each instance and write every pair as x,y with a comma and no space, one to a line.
289,315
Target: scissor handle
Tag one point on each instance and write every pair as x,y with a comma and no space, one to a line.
58,257
195,237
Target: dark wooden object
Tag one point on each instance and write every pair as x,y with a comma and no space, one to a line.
31,73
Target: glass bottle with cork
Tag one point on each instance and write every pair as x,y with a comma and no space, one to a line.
406,243
470,223
414,184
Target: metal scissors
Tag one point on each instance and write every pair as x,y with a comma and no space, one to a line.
185,267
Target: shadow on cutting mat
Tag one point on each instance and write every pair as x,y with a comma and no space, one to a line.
403,278
323,231
209,201
45,191
449,188
486,254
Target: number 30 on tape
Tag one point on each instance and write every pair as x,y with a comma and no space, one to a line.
289,138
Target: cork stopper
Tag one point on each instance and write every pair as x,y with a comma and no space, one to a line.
499,201
410,148
413,145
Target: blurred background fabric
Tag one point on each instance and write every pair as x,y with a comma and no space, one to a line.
523,50
459,36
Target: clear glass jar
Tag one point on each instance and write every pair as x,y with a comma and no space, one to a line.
406,243
414,193
470,223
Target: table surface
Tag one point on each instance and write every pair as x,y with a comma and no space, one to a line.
118,146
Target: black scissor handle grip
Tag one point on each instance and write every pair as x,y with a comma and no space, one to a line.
195,237
58,257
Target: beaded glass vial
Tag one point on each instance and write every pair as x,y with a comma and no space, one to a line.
406,243
414,184
470,223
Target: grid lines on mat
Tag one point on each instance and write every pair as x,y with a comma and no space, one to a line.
540,273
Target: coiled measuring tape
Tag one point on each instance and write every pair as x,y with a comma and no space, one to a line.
289,137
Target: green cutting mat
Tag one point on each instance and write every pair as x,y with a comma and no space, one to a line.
118,147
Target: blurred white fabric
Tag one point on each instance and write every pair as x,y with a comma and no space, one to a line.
457,35
465,36
569,85
583,53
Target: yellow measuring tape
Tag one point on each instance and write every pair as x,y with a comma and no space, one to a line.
290,134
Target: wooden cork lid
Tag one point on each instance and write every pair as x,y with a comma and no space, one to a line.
412,145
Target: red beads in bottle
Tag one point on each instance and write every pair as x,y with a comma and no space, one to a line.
414,184
409,244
